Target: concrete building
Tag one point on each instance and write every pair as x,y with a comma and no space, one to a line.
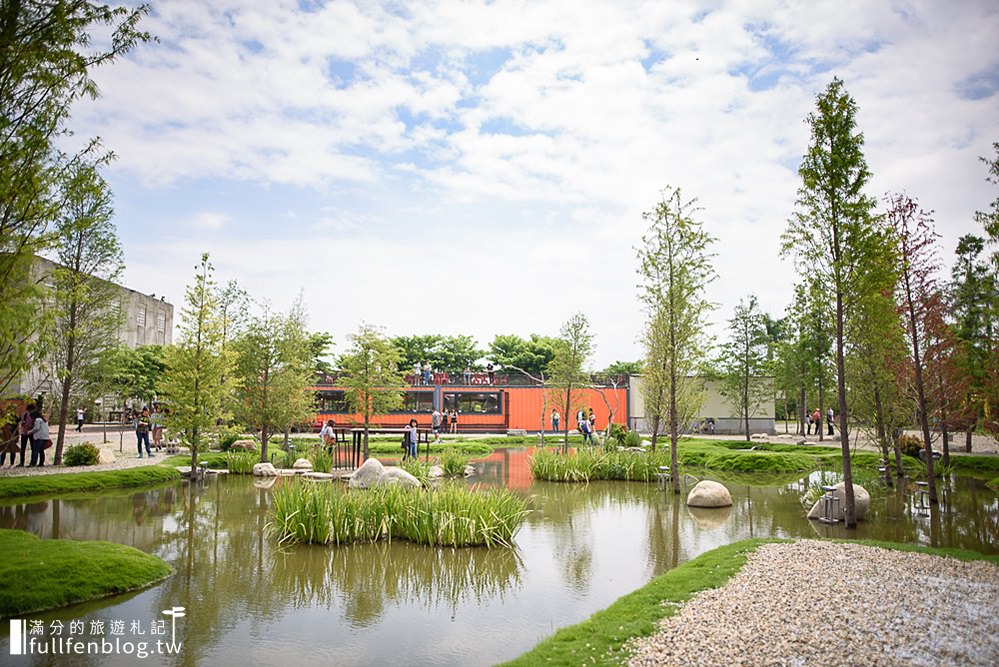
715,406
146,320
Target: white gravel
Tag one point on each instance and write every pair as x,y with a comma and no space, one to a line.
823,603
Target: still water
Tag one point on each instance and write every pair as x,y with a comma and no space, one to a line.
248,602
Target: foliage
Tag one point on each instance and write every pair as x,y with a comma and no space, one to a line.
743,361
228,435
565,371
675,267
834,234
452,515
49,485
449,354
320,344
453,462
197,379
74,571
623,368
273,371
990,219
47,56
532,355
134,372
83,454
240,463
371,375
321,459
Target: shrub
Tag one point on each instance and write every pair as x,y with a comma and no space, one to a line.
228,436
632,439
84,454
910,445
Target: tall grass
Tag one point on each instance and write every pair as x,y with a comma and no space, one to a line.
418,469
453,462
453,515
321,459
592,464
241,463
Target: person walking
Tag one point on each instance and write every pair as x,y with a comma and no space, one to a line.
79,419
39,440
328,436
584,428
555,420
435,424
454,420
829,420
142,432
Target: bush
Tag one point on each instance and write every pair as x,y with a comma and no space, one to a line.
632,439
84,454
910,445
227,437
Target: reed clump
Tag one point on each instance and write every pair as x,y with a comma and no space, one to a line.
241,463
452,515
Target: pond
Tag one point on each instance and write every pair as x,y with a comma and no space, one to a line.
249,602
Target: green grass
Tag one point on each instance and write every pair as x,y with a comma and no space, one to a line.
43,574
469,448
978,463
603,638
452,515
993,484
50,485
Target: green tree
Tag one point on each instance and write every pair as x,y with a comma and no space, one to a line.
371,376
273,372
743,361
135,372
990,219
46,61
532,355
623,368
675,267
191,385
974,297
834,232
565,371
448,354
320,344
87,312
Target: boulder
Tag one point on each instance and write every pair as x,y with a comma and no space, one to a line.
861,498
367,475
435,472
471,470
802,441
244,446
105,454
759,437
317,476
397,476
302,464
289,472
264,470
709,518
707,493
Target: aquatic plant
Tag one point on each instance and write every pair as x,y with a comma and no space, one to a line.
321,459
241,463
452,515
453,462
418,469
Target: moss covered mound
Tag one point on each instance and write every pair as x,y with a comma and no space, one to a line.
50,485
43,574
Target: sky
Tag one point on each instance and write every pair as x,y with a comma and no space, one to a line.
481,168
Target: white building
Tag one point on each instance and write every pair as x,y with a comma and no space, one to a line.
714,406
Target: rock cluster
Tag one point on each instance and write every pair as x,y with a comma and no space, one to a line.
372,473
823,603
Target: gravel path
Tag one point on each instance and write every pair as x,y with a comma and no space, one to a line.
823,603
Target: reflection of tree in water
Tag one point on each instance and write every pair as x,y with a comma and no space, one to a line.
365,577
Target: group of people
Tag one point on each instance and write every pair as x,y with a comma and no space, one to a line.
30,429
586,423
423,374
147,423
439,422
814,418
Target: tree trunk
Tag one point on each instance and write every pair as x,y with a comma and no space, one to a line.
802,419
822,400
946,444
883,442
967,437
850,507
924,418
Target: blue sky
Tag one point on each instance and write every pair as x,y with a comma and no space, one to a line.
482,167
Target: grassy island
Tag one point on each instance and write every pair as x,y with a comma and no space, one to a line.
71,482
44,574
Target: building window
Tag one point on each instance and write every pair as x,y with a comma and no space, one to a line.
160,322
332,402
478,402
417,401
140,317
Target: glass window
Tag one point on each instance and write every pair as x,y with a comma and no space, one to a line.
417,401
480,402
332,402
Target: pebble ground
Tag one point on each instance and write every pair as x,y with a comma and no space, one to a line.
831,604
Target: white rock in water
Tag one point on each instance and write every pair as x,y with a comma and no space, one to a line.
861,502
435,472
397,476
264,470
317,476
470,471
302,464
367,475
707,493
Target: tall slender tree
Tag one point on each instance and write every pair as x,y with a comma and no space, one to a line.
371,375
565,374
833,232
87,312
191,386
743,361
675,267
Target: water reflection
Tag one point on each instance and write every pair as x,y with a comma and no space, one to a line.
582,547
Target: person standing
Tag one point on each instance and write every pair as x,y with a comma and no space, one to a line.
79,419
592,418
491,373
584,428
27,422
409,440
9,433
142,432
467,375
817,420
454,420
829,420
39,439
426,373
156,424
435,424
555,420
